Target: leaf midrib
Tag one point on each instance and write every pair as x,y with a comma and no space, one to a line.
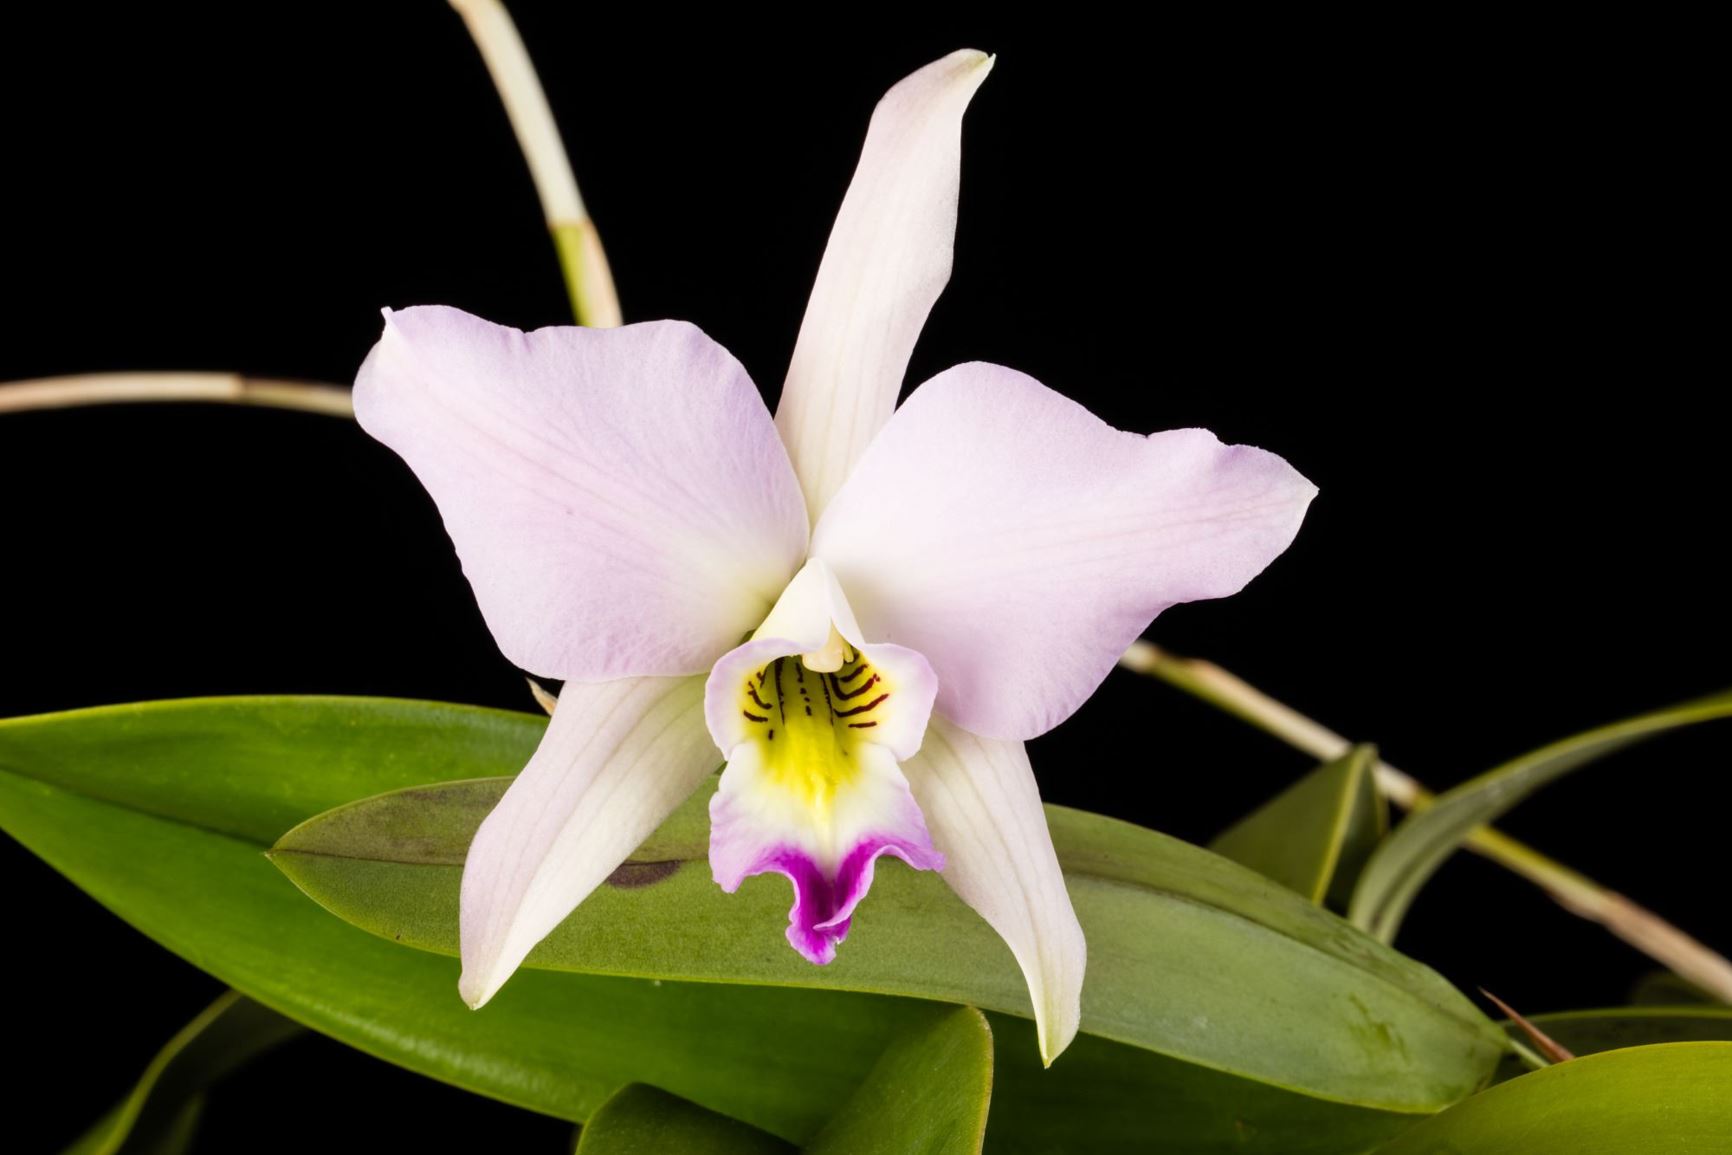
148,811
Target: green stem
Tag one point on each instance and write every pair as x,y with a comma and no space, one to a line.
1529,1057
1576,892
588,280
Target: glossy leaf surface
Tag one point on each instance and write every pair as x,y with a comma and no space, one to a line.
1589,1032
1316,833
1670,1098
928,1093
161,812
1177,937
641,1120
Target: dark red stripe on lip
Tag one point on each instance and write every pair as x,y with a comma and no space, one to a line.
857,690
855,672
753,691
861,709
751,717
861,725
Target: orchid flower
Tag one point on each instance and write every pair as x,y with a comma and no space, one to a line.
919,589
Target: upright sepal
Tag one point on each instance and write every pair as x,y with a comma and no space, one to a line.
888,259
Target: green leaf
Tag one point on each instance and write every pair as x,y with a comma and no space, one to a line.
1665,989
1314,836
162,1110
1671,1098
1107,1097
641,1120
174,1137
928,1094
1177,936
161,812
1409,856
1589,1032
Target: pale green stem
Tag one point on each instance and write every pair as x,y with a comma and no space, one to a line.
587,277
127,388
1529,1057
1639,927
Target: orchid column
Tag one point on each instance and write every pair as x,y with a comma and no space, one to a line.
865,610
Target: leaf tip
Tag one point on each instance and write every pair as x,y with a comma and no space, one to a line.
1548,1046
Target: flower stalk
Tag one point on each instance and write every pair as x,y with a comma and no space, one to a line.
588,280
85,389
1577,893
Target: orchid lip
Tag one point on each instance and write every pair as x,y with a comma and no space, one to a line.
814,722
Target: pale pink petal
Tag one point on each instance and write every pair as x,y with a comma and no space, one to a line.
760,823
1021,543
983,809
619,497
887,261
617,758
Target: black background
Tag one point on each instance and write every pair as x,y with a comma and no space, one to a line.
1458,275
